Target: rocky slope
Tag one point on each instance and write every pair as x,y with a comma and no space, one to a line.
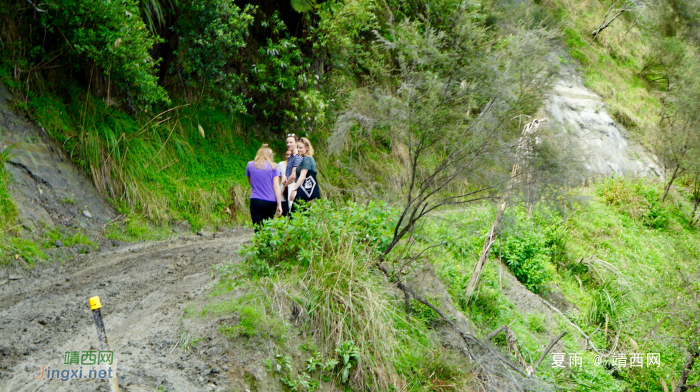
579,120
47,187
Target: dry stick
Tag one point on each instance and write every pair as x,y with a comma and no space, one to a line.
467,337
605,23
407,302
511,340
37,9
548,349
571,323
496,332
522,151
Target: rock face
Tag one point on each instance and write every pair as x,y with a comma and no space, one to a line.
578,115
47,188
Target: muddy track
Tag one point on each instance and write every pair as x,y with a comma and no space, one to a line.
143,287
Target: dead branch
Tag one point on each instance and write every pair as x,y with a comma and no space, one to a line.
571,323
687,368
512,344
548,349
468,338
615,14
496,332
523,151
407,303
37,9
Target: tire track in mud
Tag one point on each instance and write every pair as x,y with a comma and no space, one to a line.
143,289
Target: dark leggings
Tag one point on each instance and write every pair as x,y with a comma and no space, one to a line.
285,204
261,210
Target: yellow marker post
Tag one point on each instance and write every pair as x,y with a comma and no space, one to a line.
95,306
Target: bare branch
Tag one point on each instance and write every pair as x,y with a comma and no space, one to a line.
548,349
496,332
468,338
37,9
615,14
572,324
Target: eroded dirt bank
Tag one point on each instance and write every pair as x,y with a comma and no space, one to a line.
144,288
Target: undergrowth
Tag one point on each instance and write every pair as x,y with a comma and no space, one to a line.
319,270
615,256
187,163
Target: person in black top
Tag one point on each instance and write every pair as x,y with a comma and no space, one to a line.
306,185
290,173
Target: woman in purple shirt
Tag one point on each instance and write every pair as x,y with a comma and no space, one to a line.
263,177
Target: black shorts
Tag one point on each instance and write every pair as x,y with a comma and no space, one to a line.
261,210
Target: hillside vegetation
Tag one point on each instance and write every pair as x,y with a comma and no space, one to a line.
417,113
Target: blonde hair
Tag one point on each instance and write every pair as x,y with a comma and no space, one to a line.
264,154
309,147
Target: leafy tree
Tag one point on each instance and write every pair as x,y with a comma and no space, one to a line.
678,142
113,37
212,35
445,101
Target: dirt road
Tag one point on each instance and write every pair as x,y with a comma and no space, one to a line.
143,288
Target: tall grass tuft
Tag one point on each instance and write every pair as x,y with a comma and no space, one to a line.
321,264
158,167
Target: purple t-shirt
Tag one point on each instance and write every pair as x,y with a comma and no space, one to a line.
261,181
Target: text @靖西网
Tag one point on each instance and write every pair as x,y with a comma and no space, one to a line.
619,360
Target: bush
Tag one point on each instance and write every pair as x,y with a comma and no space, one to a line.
114,38
526,247
316,232
637,199
323,261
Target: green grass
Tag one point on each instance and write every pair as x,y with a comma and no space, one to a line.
159,168
339,296
617,254
67,237
612,64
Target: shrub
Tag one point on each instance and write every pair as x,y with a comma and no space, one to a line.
637,199
525,249
323,261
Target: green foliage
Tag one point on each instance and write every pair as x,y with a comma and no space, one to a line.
302,382
77,237
151,169
213,32
114,38
323,261
303,5
526,249
639,200
350,355
255,323
280,241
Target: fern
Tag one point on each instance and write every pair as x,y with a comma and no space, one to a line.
303,5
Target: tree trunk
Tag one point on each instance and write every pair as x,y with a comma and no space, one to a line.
490,239
687,368
696,198
670,182
522,153
695,209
